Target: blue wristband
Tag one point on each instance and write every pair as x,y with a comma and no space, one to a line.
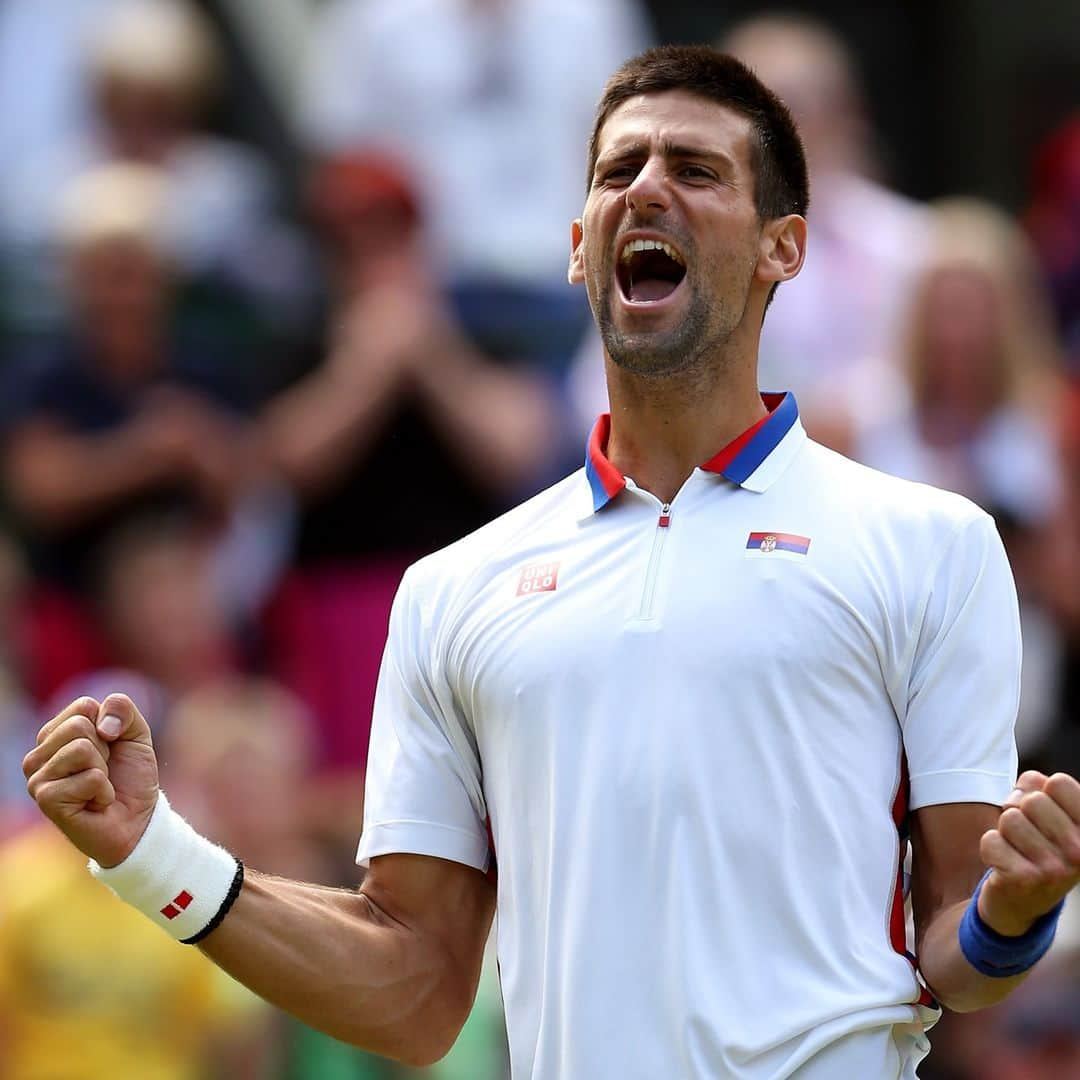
996,954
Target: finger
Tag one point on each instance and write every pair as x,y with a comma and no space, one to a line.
1022,834
71,758
997,853
1044,812
59,799
120,719
1065,791
69,730
1032,780
84,706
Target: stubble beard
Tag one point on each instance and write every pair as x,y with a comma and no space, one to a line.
694,345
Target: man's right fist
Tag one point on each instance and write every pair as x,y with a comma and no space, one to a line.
93,773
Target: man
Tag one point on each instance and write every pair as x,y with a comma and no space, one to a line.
687,705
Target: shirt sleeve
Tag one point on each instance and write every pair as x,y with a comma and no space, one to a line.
423,794
964,679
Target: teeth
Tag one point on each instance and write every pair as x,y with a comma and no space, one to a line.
649,245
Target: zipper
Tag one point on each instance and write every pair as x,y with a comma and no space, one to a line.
648,594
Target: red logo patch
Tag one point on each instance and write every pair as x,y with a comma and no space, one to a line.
179,903
541,577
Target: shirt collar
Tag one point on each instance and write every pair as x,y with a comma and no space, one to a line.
753,460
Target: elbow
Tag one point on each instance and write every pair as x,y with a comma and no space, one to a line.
430,1037
423,1030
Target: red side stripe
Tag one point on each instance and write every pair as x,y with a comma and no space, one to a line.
493,868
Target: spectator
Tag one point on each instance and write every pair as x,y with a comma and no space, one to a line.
982,366
866,242
979,410
153,68
404,439
118,417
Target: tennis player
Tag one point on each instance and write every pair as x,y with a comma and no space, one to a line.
696,698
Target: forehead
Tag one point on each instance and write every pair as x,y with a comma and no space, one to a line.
679,118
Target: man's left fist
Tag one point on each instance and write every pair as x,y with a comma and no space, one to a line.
1034,852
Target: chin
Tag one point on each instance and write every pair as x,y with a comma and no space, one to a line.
654,355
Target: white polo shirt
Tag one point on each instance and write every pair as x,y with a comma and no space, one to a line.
696,731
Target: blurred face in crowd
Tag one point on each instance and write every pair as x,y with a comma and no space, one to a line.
808,68
144,120
120,293
159,606
961,335
673,169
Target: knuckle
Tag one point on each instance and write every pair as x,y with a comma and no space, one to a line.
1060,783
1011,822
1031,779
79,727
1035,802
83,751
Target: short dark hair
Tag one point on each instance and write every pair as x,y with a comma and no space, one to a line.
781,185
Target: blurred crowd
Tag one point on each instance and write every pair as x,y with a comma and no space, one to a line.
236,401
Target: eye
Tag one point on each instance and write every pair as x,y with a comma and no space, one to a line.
695,172
618,173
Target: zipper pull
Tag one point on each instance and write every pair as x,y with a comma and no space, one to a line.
665,516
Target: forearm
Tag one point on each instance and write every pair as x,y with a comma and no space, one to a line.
335,960
953,981
58,479
316,430
502,423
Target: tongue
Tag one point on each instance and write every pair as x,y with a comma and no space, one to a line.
651,289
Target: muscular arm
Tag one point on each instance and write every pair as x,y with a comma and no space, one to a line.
392,968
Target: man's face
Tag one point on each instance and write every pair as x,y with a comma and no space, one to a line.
672,169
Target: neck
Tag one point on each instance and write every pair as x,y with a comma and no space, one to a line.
663,428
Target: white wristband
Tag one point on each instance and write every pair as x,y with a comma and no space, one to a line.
179,879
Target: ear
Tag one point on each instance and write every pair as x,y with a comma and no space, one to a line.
782,250
575,274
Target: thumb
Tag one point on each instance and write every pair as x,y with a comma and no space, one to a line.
1030,781
120,719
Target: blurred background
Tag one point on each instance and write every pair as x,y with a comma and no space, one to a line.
283,307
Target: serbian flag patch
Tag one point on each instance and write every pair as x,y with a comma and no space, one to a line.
768,542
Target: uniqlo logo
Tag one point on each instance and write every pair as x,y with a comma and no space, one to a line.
179,903
541,577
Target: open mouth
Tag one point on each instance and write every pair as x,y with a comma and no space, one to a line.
649,270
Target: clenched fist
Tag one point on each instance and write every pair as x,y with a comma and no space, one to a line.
93,773
1034,852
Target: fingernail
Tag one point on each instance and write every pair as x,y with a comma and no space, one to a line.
110,726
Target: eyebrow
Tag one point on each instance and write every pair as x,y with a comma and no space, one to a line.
669,149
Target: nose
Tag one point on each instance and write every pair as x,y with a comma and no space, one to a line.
649,191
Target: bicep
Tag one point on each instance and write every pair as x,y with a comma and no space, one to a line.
945,862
